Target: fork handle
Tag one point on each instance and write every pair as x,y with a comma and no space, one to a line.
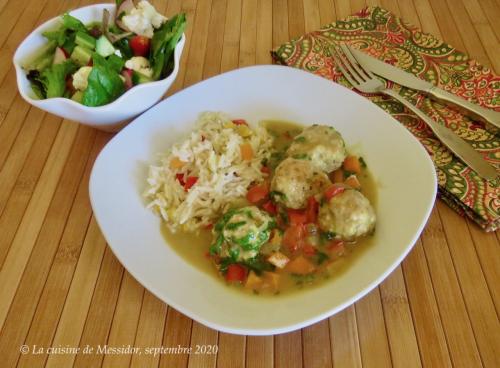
456,144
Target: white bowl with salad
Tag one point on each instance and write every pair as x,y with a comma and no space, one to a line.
91,66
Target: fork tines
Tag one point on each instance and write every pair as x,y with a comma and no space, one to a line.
348,65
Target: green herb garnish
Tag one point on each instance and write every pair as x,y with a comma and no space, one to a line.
301,156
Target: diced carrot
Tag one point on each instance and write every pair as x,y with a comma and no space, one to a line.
176,163
236,272
240,122
253,281
353,182
258,192
300,266
277,237
271,280
270,208
246,151
352,164
312,210
297,217
293,238
278,259
333,191
337,176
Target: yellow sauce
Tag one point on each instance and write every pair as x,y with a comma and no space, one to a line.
193,248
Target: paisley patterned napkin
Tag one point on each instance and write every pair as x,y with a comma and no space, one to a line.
383,35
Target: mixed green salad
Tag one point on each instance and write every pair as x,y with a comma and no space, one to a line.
96,63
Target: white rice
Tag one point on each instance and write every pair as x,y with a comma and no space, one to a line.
211,153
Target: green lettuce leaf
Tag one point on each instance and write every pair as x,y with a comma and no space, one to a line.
52,81
70,22
104,83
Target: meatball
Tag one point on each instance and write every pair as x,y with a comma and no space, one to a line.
241,232
320,144
349,215
295,181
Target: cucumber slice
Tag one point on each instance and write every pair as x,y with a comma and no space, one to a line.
81,55
104,47
85,40
139,78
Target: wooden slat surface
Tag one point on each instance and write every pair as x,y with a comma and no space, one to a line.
61,285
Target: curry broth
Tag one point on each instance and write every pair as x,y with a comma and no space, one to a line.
193,248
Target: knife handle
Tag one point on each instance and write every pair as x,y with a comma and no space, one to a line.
466,107
457,145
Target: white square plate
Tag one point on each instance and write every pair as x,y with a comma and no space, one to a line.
402,169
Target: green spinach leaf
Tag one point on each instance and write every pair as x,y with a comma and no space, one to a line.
104,83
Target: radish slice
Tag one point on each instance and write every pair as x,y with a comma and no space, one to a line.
127,74
59,56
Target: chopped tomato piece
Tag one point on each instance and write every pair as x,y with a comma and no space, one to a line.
297,217
270,207
336,246
309,250
353,182
180,178
337,176
246,151
236,272
240,122
312,210
294,236
333,191
209,226
265,170
352,164
190,181
140,45
258,192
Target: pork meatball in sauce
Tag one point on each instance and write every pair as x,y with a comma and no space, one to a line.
320,144
348,215
295,181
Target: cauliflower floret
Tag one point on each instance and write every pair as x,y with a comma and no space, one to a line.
140,64
142,19
80,78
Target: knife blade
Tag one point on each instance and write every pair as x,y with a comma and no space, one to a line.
406,79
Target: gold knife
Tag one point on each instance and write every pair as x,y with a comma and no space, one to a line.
406,79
